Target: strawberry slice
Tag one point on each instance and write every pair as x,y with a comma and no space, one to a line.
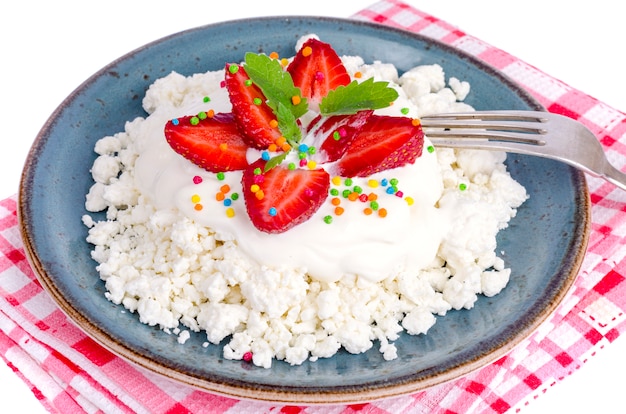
336,133
214,144
252,113
283,198
385,142
317,69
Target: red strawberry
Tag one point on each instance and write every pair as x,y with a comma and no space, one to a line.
249,107
285,198
385,142
214,144
317,69
336,133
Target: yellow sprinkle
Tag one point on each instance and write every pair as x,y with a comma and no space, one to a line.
306,51
230,212
273,123
336,180
295,100
197,207
195,198
284,61
223,146
274,55
311,165
373,183
254,188
409,200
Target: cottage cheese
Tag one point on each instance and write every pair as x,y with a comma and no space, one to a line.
306,293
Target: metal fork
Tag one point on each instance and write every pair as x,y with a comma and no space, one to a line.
538,133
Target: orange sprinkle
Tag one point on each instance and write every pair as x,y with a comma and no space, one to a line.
339,210
210,113
358,74
272,148
259,194
382,212
306,51
285,147
274,55
335,201
296,100
223,146
372,197
273,123
220,196
280,141
353,196
368,211
225,188
415,122
197,207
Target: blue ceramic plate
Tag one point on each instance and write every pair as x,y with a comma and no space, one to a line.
544,244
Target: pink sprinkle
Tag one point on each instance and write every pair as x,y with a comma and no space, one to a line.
399,193
247,356
258,179
342,132
197,179
319,76
308,192
222,84
303,162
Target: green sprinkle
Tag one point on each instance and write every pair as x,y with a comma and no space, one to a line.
328,219
257,101
233,68
291,166
346,193
336,136
430,149
257,171
393,181
301,155
194,120
357,189
334,192
462,186
206,99
311,150
404,111
221,176
234,196
348,182
374,205
248,82
202,115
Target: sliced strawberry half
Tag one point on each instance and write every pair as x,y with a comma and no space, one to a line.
385,142
336,133
215,143
280,198
317,69
252,113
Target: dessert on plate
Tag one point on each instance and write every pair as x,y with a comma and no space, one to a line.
289,207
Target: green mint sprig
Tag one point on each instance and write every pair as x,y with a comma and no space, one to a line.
355,97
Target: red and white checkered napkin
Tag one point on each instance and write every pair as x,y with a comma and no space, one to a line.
68,372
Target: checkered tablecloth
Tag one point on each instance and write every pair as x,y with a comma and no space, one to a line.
69,373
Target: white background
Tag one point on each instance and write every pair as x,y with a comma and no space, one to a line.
50,47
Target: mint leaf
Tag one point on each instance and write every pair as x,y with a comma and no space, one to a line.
287,124
275,83
274,161
358,96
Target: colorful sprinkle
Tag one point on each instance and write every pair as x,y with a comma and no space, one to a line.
274,55
206,99
194,120
409,200
328,219
358,75
230,212
295,100
382,212
175,121
462,186
339,210
430,149
197,207
336,180
233,68
265,155
306,51
247,356
197,179
221,176
404,111
274,123
257,101
195,198
272,211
